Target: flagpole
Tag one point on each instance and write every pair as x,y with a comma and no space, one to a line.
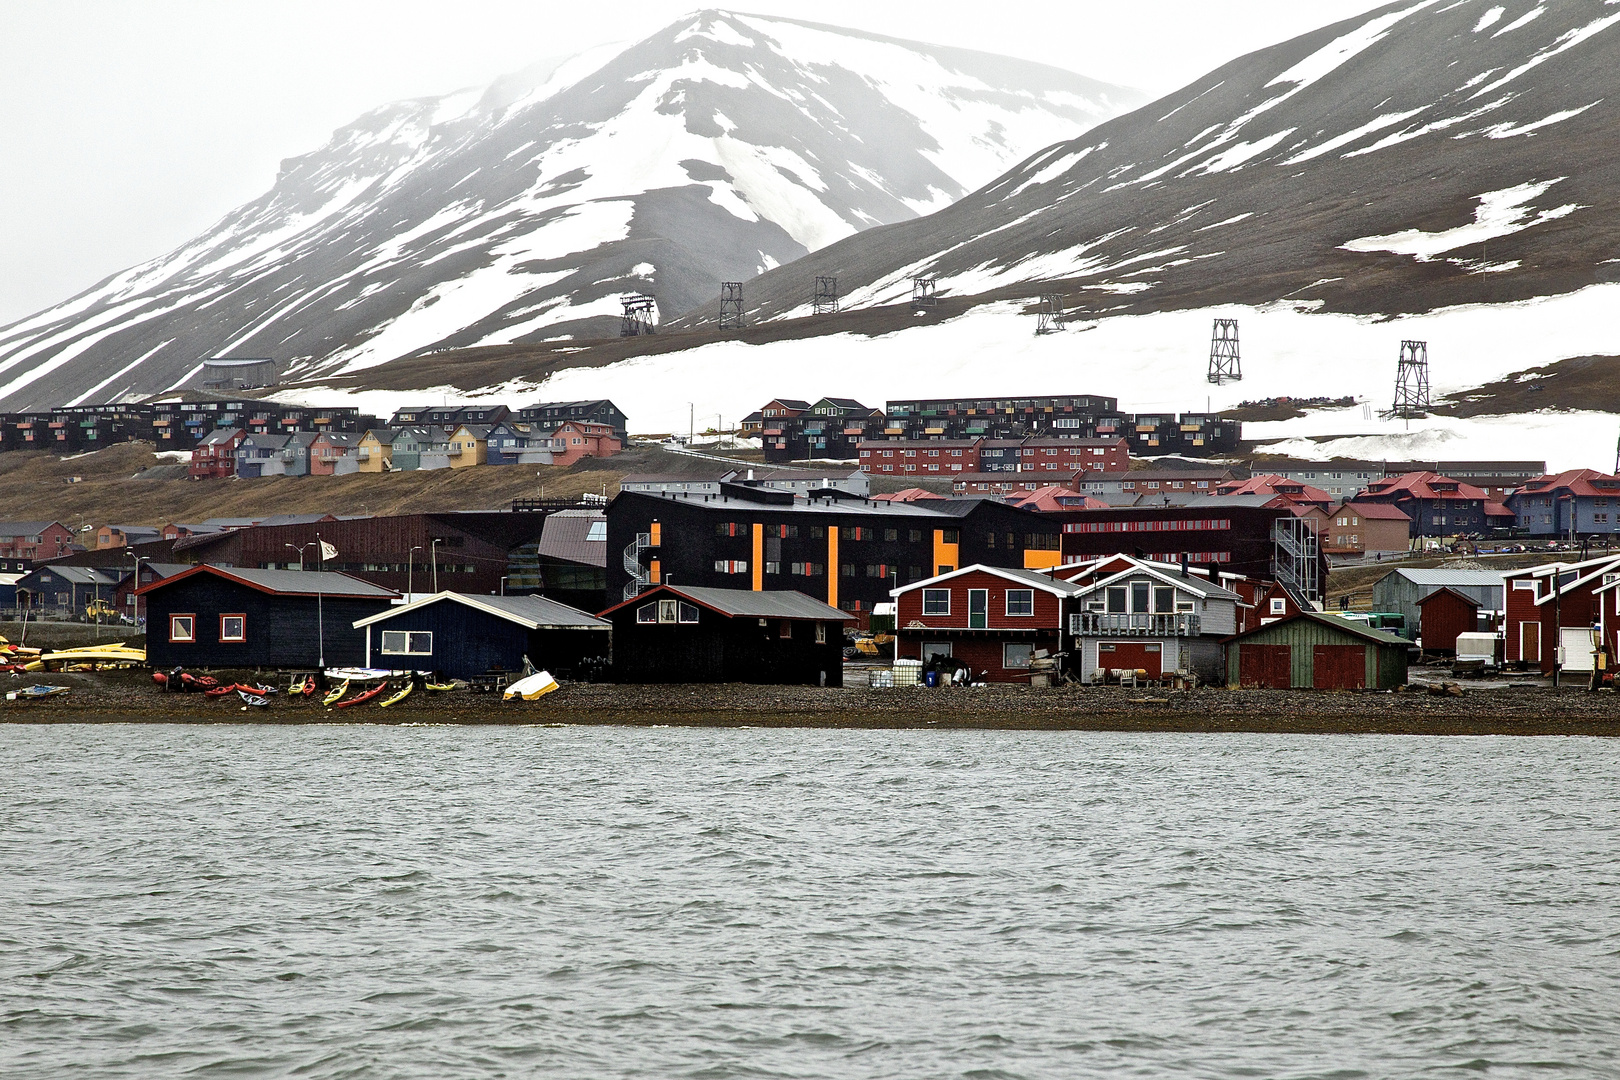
320,617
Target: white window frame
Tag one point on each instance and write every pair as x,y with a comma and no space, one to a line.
1029,652
240,636
932,595
411,645
190,636
1029,614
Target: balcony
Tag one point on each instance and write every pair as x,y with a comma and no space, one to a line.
1182,624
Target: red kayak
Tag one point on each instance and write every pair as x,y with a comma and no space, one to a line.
219,691
362,698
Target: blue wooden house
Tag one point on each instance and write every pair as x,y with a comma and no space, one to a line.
461,635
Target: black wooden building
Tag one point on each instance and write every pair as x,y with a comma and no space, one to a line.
461,636
835,546
698,635
213,616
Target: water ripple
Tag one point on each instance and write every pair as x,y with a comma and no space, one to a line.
554,902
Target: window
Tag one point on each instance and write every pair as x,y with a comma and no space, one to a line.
182,628
232,628
990,540
821,633
931,649
846,569
1116,600
773,567
818,532
952,536
1164,599
785,629
936,601
408,642
1279,605
1139,596
1020,601
1015,656
916,536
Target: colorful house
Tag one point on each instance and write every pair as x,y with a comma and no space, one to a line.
214,456
1316,651
334,453
469,445
375,451
989,618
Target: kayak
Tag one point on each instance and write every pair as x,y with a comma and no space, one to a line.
440,687
219,691
30,692
336,693
533,688
360,699
256,700
404,693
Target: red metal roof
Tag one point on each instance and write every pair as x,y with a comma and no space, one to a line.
1272,484
1425,485
1574,482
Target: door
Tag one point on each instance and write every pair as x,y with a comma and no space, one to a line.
978,609
1339,667
1268,666
1578,648
1530,642
1132,656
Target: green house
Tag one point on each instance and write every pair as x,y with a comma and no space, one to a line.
1315,651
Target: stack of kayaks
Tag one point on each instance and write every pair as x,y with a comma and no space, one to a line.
89,658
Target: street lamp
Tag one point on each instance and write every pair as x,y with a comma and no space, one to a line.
137,585
410,573
320,607
503,584
300,549
437,540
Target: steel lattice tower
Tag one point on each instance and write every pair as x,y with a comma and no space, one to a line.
1225,363
1412,381
922,293
638,316
731,305
826,299
1050,314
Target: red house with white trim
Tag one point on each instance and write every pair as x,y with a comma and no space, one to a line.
989,618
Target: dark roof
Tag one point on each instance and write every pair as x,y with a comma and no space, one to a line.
1376,637
1447,591
565,537
534,612
284,582
27,528
747,604
79,575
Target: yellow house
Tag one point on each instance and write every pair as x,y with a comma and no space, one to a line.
376,450
469,446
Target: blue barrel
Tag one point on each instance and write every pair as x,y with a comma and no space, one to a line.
930,678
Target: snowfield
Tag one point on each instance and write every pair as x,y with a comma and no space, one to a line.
1151,363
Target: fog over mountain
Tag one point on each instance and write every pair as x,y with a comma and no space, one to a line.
716,149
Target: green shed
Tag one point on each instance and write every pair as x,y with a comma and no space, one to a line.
1315,651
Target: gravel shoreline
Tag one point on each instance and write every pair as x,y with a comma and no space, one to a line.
131,698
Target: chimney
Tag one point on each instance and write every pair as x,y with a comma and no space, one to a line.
1184,572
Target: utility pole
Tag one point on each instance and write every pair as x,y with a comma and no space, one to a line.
435,552
410,566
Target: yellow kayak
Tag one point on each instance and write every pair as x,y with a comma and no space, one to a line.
334,695
533,688
397,698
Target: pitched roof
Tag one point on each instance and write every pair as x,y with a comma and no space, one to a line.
747,604
1204,588
1355,629
909,495
1044,582
534,612
566,535
78,575
1440,577
1576,482
1448,591
1052,499
1272,484
1424,485
9,529
1375,511
283,582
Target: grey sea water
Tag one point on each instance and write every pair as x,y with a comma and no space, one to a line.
329,902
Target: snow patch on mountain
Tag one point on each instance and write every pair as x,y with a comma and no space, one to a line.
1500,213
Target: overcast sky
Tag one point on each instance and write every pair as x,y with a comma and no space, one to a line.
129,127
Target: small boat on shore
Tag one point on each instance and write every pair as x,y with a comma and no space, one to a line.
33,693
258,701
361,699
404,693
334,695
532,688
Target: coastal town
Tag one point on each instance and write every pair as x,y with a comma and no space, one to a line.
1030,543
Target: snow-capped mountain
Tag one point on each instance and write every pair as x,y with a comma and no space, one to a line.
1429,153
716,149
1443,170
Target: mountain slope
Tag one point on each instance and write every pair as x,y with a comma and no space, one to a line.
717,148
1427,154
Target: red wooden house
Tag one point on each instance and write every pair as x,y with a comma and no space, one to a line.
991,619
1534,601
214,457
1445,614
